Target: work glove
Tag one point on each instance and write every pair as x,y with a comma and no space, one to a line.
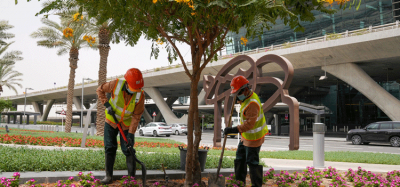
231,130
109,108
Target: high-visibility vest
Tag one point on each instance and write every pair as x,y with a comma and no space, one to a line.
260,129
122,112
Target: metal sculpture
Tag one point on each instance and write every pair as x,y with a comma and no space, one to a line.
217,92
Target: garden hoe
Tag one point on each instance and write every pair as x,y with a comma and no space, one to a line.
216,181
130,149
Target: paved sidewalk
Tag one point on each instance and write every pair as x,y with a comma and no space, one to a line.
286,163
305,138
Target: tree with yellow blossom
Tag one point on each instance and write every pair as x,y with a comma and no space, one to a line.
68,37
203,25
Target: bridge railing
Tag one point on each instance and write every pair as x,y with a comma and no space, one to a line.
306,41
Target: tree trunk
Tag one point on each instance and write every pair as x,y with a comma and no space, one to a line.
193,170
189,153
73,64
104,48
197,131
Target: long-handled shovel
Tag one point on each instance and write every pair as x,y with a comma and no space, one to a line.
216,183
130,149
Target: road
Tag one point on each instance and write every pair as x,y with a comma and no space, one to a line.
275,143
272,143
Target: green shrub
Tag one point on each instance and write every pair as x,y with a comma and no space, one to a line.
157,69
333,36
287,45
52,123
27,159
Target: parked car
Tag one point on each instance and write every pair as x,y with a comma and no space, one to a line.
156,129
385,131
179,128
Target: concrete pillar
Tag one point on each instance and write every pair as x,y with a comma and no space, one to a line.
170,101
20,118
169,116
201,97
357,78
47,110
8,118
38,108
27,119
147,117
34,119
15,119
317,118
77,102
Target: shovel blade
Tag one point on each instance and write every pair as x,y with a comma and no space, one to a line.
215,181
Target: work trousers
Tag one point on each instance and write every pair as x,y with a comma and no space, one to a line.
110,140
250,155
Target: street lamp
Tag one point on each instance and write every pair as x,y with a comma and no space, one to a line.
26,89
83,83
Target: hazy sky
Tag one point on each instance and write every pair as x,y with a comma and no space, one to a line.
42,67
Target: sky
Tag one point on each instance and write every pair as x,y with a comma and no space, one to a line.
41,67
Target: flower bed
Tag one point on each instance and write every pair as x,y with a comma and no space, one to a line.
23,130
76,142
308,178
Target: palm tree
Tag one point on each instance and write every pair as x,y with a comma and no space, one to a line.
69,36
3,35
104,48
10,57
9,77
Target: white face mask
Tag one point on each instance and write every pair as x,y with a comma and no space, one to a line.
129,91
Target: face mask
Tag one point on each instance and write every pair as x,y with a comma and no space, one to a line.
129,91
241,97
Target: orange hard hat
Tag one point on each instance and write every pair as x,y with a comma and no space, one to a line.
134,78
237,83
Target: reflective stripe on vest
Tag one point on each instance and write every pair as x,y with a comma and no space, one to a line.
122,112
260,127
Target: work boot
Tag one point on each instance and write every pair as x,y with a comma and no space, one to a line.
131,164
241,171
110,159
256,175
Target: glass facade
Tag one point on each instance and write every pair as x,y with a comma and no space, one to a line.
370,12
348,106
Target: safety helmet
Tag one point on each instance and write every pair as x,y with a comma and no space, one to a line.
237,83
134,78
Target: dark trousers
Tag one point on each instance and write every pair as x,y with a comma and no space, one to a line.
250,155
110,140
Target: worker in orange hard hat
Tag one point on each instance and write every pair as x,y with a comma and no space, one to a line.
252,127
127,103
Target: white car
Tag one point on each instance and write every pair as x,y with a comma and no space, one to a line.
179,128
156,129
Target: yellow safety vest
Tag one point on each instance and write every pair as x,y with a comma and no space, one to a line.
260,129
122,112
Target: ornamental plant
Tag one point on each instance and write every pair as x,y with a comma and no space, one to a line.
67,182
11,182
157,184
330,172
268,175
88,180
232,182
31,183
127,181
285,179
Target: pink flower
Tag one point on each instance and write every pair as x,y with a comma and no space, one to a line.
16,174
80,173
71,178
156,184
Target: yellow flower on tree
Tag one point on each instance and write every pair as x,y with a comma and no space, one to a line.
76,16
68,32
243,40
159,41
154,1
91,40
